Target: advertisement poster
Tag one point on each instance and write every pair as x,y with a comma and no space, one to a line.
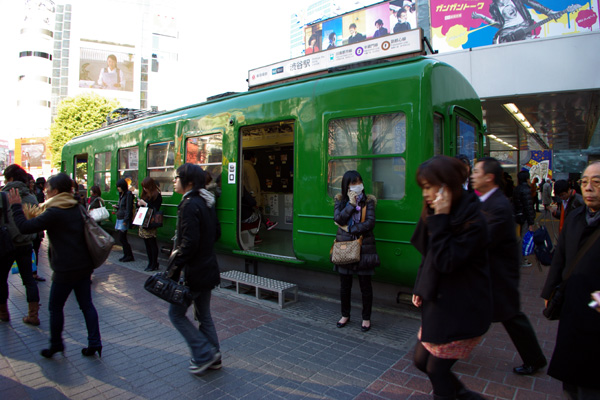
367,23
106,69
464,24
539,165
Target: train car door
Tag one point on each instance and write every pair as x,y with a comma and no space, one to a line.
467,135
80,173
267,188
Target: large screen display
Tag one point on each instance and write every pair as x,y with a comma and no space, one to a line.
106,69
368,23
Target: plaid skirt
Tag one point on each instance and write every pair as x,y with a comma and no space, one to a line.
456,350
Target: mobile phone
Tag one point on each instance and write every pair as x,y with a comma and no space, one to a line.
439,194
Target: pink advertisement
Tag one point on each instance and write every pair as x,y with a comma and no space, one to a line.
463,24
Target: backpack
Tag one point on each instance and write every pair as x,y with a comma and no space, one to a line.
6,244
544,250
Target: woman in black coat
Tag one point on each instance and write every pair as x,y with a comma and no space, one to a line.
152,199
124,218
197,230
349,207
70,260
452,288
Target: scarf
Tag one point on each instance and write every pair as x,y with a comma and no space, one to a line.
592,218
61,200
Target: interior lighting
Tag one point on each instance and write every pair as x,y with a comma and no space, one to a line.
514,111
497,139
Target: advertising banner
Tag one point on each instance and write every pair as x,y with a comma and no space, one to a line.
367,23
463,24
106,69
387,46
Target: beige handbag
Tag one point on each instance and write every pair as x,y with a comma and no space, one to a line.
343,253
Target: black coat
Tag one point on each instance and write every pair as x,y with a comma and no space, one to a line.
503,253
523,204
197,230
453,280
342,215
577,349
68,250
125,208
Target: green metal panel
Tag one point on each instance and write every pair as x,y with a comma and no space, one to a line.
417,87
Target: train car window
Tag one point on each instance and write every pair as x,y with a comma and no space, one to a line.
102,170
161,165
373,146
438,134
206,151
128,166
466,132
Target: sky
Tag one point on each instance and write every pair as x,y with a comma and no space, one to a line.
220,41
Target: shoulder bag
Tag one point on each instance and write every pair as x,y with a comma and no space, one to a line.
343,253
557,297
98,241
161,285
100,213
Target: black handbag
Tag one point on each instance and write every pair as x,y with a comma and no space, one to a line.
161,285
557,297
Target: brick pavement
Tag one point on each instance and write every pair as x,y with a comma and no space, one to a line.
294,353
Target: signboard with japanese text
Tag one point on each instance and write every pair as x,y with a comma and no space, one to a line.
463,24
382,47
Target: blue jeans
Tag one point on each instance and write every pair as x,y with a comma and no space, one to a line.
203,342
21,254
59,293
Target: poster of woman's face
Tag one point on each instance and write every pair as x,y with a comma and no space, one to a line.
105,69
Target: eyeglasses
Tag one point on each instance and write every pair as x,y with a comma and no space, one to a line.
595,182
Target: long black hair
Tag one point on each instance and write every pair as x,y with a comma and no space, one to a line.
349,178
122,183
443,170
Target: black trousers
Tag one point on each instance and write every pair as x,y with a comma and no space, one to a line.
125,243
445,384
523,336
365,289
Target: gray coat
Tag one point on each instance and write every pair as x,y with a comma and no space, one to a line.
547,193
27,197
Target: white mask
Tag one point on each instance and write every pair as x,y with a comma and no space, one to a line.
358,189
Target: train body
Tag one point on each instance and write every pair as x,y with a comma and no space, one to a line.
382,120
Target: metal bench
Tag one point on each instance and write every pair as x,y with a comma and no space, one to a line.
261,284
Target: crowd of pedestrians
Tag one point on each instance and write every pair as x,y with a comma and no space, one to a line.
467,235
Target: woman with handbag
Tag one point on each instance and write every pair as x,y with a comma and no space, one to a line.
354,214
124,218
152,199
453,288
197,230
60,216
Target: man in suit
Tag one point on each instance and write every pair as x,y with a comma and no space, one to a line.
503,250
569,200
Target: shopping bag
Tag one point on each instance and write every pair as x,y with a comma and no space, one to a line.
528,244
15,268
99,214
142,216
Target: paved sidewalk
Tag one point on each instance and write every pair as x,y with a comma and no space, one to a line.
294,353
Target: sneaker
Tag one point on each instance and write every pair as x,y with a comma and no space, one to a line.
217,364
526,264
198,369
257,239
270,225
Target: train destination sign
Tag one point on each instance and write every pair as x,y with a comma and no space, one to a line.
382,47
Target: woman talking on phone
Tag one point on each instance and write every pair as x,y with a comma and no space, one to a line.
354,215
453,287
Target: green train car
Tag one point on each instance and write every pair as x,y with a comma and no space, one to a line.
382,120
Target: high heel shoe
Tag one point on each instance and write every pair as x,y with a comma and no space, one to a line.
48,353
343,324
90,351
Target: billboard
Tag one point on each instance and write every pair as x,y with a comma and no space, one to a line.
106,68
464,24
381,47
367,23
